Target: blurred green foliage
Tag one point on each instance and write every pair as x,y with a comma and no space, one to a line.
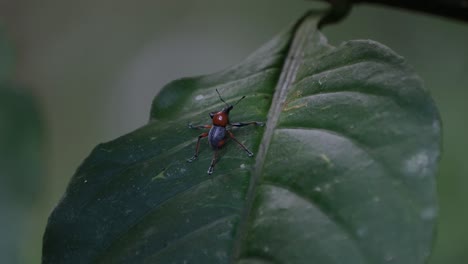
6,57
96,65
21,166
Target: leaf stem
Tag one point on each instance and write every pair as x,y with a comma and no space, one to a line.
303,28
453,9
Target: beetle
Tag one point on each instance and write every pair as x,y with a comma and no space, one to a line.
220,132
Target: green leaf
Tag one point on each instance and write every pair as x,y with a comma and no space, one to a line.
344,170
21,170
20,146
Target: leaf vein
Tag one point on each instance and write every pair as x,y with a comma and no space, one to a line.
339,222
401,186
187,236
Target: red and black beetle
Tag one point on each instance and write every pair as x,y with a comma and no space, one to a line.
219,132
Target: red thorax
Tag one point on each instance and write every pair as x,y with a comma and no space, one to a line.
221,118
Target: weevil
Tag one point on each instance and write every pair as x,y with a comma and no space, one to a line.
219,132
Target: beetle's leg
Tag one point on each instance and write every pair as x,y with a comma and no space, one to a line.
213,162
199,126
241,124
203,135
240,144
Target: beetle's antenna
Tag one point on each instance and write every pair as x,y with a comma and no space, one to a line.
221,98
239,100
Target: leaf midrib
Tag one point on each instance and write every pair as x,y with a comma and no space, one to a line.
304,28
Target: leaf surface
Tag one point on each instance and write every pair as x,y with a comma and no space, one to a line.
344,170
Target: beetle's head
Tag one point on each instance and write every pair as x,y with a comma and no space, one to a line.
227,109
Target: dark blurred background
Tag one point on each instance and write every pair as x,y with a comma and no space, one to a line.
85,72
